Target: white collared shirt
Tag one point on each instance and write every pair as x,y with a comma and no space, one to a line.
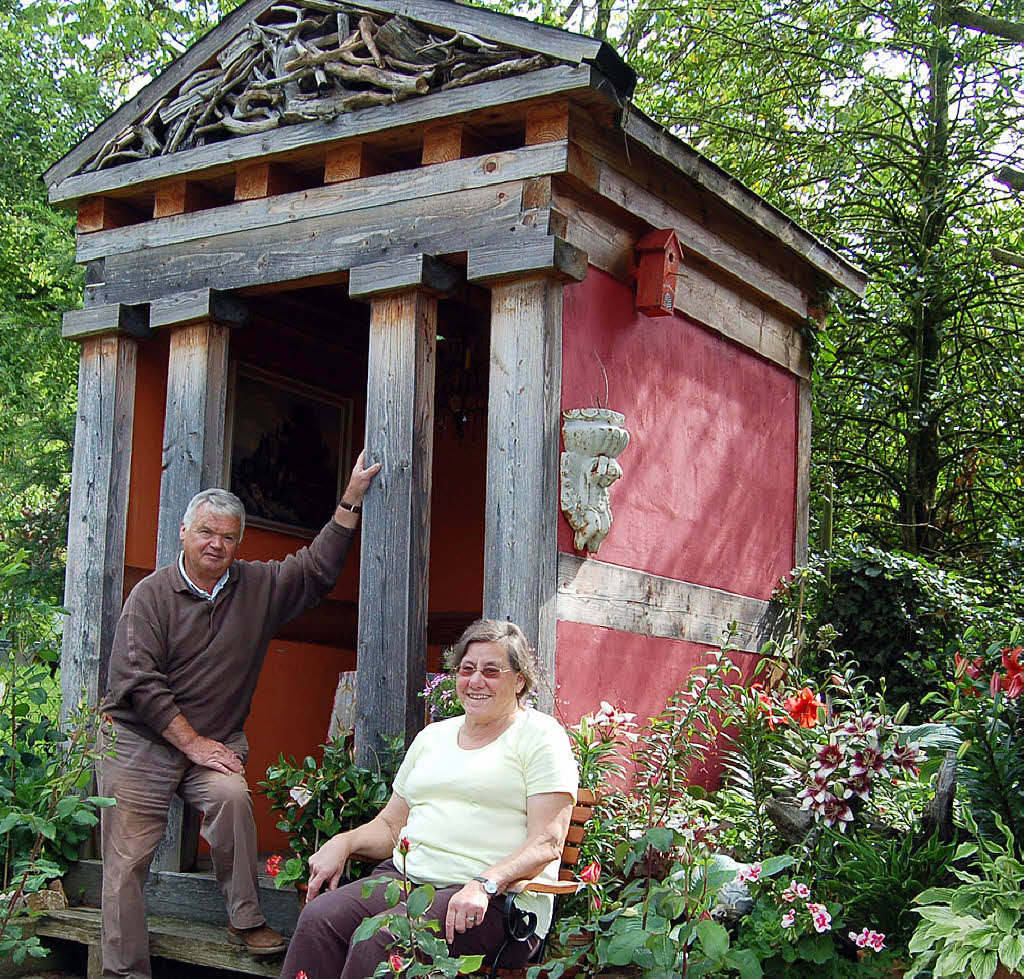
208,595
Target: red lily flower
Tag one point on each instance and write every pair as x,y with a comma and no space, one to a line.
803,707
1013,682
591,873
969,667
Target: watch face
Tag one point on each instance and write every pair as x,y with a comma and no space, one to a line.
489,886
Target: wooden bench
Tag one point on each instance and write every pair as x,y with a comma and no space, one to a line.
194,942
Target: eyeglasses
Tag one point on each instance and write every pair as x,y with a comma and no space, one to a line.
487,672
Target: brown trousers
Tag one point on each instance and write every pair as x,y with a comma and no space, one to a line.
143,778
321,948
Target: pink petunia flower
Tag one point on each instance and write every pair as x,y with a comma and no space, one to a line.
867,938
749,875
788,918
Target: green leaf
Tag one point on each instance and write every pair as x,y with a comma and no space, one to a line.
714,939
470,963
393,893
1011,951
745,962
983,965
420,899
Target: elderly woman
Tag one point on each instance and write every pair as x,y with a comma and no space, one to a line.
483,799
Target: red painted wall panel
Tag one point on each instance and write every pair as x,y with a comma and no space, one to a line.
709,488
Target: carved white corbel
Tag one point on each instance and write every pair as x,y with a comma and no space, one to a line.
593,437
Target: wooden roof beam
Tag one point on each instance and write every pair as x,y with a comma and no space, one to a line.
123,319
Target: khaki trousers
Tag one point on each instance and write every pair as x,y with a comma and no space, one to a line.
143,778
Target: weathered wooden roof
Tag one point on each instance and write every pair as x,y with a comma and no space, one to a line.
270,63
278,75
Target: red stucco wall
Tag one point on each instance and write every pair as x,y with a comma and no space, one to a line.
710,480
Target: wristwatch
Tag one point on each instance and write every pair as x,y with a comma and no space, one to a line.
351,507
490,888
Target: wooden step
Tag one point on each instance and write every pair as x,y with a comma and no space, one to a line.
169,938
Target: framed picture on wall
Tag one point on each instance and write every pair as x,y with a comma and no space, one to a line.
288,449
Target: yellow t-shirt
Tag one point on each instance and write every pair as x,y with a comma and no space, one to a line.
467,808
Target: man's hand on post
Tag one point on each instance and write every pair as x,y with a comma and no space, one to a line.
358,483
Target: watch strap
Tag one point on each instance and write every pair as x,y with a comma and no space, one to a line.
489,886
351,507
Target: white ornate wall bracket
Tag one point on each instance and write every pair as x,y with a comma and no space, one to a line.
593,437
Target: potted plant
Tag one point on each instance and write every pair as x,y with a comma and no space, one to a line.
977,927
315,800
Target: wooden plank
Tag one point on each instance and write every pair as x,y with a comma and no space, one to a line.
193,459
120,318
196,895
547,255
265,179
322,247
613,597
803,470
98,518
694,237
180,197
713,304
523,418
391,654
176,939
368,192
350,161
198,306
744,201
547,123
431,274
224,157
104,213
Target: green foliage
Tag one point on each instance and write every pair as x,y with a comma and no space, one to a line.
45,771
417,949
989,729
316,800
901,618
973,928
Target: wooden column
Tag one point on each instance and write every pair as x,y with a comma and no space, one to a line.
99,513
395,555
523,420
803,469
193,454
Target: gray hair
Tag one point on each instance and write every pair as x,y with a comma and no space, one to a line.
510,637
219,501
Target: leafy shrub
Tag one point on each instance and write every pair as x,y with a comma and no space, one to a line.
900,617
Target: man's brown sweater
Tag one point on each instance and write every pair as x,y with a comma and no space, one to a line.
176,652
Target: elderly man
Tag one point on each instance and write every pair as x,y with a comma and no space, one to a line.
186,657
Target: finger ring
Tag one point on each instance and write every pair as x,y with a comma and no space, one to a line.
471,917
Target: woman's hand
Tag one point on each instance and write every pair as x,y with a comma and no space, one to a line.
327,865
466,909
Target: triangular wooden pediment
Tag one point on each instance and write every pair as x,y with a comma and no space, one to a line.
275,63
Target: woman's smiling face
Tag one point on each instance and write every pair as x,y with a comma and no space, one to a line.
486,698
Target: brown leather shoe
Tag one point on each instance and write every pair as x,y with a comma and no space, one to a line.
261,940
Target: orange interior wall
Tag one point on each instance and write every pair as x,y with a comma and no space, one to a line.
292,704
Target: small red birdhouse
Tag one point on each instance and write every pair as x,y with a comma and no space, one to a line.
659,260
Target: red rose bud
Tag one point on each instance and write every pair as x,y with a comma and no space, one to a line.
395,963
274,865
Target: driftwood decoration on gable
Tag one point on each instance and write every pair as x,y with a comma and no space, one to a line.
311,62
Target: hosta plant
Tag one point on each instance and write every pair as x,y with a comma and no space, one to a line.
972,929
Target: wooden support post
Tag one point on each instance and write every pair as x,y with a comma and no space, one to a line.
263,180
104,213
803,469
523,414
193,459
180,197
99,515
350,161
547,123
392,650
